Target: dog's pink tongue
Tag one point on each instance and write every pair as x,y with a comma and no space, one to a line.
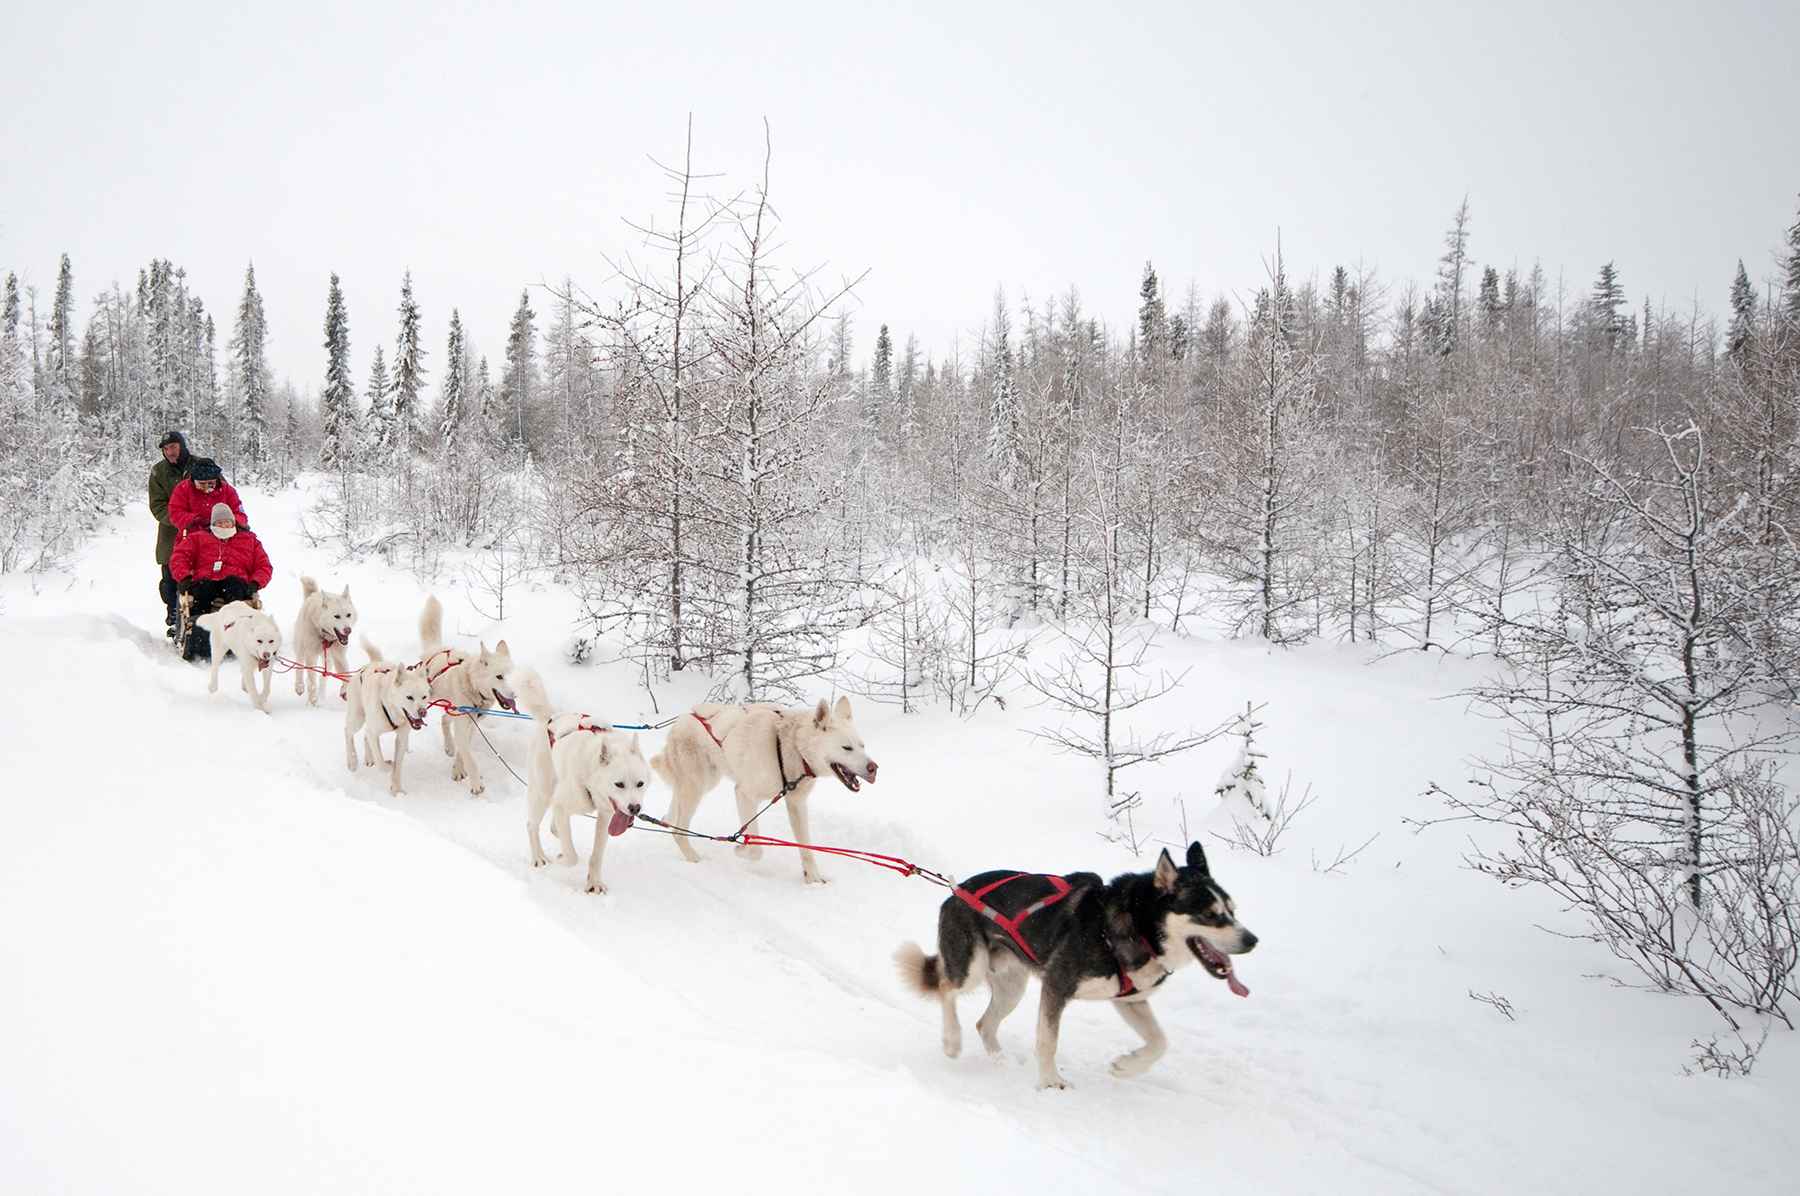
621,822
1237,986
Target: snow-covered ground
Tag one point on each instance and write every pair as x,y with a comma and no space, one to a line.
229,965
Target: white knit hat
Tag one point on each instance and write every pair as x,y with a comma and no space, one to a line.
222,513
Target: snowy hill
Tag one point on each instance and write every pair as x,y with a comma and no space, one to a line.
227,964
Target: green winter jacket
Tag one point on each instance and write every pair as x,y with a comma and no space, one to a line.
163,478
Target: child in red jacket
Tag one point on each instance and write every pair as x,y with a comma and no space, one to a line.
192,500
224,564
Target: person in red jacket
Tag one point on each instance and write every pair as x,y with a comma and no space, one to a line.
191,502
225,564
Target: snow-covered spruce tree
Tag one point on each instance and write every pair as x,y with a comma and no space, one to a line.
59,377
337,401
405,437
1743,315
518,382
378,420
251,382
455,400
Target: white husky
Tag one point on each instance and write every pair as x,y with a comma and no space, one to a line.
765,751
322,634
384,692
253,637
463,679
582,766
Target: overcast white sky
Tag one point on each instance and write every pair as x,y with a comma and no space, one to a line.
945,147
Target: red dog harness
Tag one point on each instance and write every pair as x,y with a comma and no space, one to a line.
432,680
1060,889
580,725
786,786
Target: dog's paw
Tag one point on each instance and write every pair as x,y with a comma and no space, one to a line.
748,852
1129,1065
815,878
991,1046
1054,1084
952,1045
596,887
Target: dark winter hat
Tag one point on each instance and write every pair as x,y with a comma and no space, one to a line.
223,514
172,437
205,469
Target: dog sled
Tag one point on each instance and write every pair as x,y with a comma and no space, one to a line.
184,627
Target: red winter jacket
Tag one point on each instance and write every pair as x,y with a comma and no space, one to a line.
202,556
190,509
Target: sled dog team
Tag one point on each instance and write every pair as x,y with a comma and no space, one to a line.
1085,938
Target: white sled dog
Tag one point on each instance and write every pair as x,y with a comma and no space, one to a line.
463,679
764,750
384,696
250,635
580,765
322,636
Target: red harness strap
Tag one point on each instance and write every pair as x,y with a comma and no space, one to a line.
714,735
432,680
1011,925
580,726
1060,889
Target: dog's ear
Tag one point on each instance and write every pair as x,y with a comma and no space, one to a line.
346,589
842,709
637,749
822,715
1197,856
605,749
1165,871
500,649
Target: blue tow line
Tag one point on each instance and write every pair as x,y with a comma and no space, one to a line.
517,714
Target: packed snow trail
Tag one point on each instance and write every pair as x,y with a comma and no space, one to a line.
228,964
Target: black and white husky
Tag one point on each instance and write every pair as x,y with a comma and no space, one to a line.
1085,939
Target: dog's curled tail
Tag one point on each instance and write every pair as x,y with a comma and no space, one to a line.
431,625
373,653
308,587
918,971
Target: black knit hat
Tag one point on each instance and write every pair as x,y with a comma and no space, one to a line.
205,469
172,437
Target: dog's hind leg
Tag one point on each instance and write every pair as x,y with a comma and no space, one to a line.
681,814
1050,1010
352,724
963,962
538,798
1137,1015
747,806
1007,978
